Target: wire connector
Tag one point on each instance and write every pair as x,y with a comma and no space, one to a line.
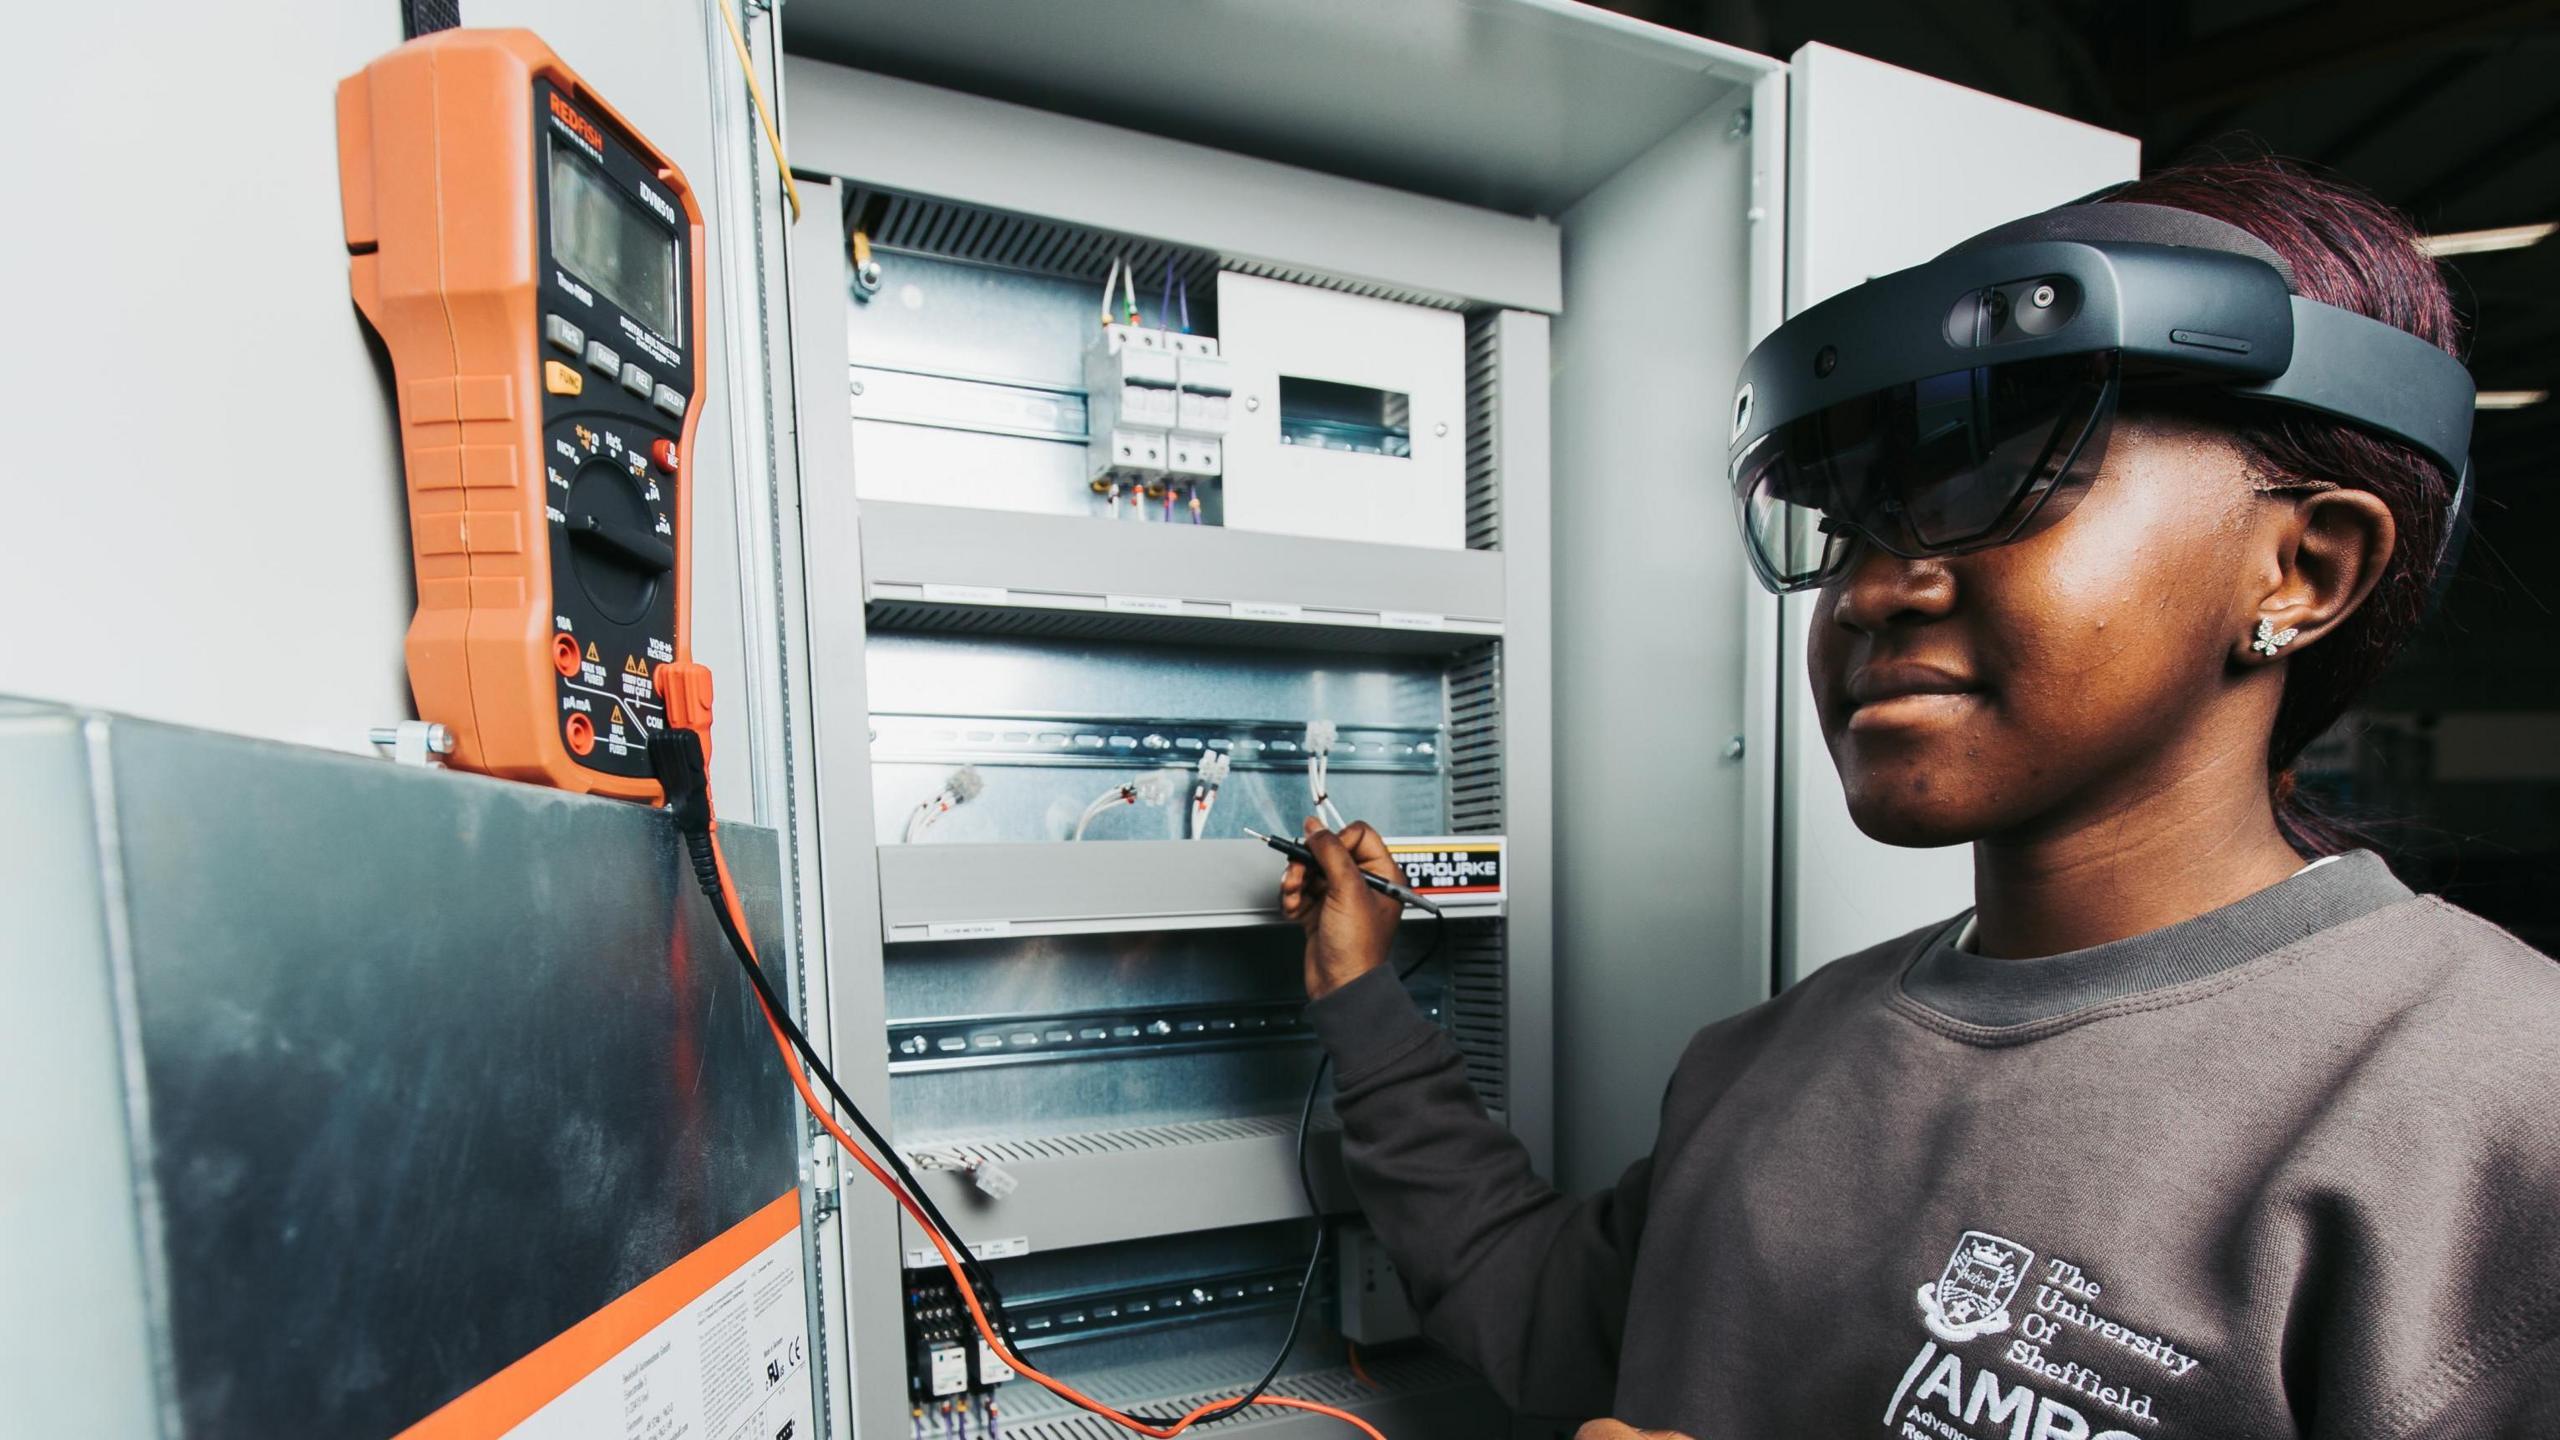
992,1179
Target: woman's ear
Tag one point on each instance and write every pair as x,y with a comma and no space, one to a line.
2331,549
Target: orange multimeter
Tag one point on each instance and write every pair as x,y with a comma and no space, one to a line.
535,268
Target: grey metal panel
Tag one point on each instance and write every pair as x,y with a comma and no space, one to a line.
1650,595
81,1300
867,1356
903,136
428,1067
1524,444
1063,562
1523,105
1096,886
1164,1181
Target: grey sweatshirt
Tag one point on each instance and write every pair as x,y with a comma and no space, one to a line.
2288,1169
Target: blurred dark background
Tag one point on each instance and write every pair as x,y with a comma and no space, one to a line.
2450,111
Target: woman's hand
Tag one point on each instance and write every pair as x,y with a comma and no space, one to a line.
1348,924
1612,1430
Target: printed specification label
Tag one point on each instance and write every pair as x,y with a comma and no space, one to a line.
732,1365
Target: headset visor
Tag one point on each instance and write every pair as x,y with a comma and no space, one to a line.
1940,466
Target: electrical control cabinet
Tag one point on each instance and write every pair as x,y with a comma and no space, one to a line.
1061,683
943,649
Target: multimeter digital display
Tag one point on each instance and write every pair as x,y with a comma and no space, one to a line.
534,267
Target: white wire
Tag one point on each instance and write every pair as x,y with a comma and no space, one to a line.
1117,795
1320,736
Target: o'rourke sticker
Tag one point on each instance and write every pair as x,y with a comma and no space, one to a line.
1468,866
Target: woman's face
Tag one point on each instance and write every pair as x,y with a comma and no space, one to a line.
1979,695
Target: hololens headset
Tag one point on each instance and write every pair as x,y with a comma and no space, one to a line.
1938,410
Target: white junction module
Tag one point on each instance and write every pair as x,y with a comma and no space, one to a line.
1348,416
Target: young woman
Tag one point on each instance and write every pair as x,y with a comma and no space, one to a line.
2193,1126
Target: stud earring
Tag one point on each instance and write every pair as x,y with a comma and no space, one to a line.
2270,639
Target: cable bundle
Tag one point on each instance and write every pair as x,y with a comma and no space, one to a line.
965,785
1150,791
1320,740
676,757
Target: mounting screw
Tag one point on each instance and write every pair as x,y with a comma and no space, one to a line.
412,741
866,280
857,387
1253,402
1733,748
1441,429
1740,129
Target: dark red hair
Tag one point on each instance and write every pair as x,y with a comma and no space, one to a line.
2349,250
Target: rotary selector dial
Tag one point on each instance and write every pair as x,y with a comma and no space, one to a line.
621,540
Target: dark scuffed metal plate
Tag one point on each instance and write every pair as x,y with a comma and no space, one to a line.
434,1066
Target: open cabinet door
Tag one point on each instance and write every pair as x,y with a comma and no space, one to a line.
1885,169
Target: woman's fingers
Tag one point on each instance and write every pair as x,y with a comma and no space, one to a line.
1369,851
1301,892
1614,1430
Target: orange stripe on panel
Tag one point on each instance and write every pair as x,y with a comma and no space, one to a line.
510,1397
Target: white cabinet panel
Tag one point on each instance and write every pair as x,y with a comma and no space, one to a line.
1290,470
1887,168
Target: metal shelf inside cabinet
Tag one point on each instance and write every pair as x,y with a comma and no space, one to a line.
945,567
1094,1189
977,892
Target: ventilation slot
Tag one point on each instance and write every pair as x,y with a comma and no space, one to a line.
1484,437
1036,1415
949,230
930,617
1475,742
1026,1150
1480,1007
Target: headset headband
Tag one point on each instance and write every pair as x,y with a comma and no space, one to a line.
2180,295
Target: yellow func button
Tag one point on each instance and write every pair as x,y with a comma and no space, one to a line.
561,379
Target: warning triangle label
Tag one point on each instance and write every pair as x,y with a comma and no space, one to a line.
617,715
631,665
592,657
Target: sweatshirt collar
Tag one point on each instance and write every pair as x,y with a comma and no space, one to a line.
1983,990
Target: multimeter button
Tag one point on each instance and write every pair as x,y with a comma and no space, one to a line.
666,398
636,380
601,356
663,451
563,334
561,379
